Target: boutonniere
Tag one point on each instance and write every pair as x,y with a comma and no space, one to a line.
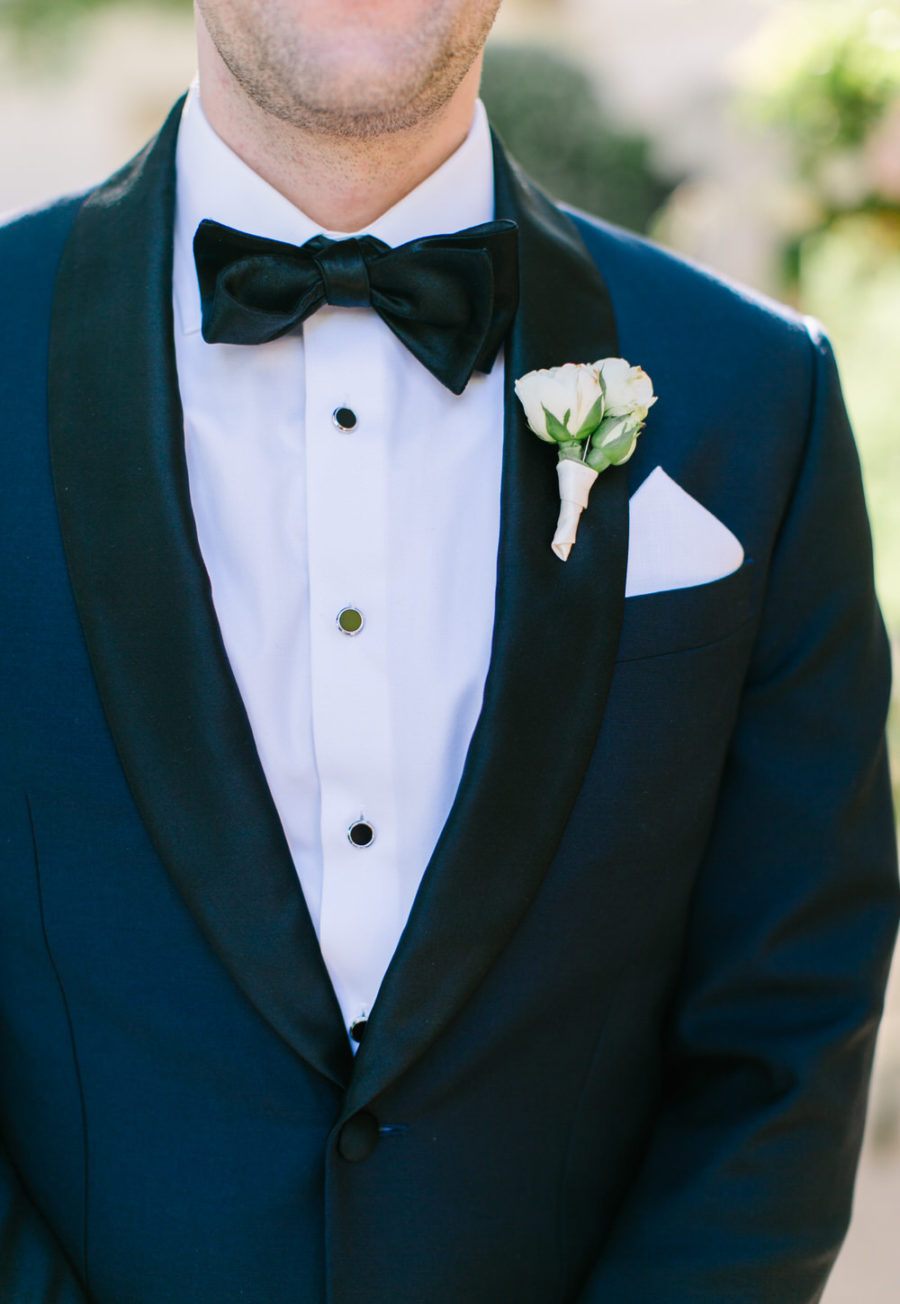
594,413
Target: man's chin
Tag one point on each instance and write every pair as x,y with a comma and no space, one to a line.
345,104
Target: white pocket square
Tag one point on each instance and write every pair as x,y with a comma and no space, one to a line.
673,541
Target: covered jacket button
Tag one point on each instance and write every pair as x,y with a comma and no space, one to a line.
358,1137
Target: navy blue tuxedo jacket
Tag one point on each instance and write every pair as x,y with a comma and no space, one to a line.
621,1053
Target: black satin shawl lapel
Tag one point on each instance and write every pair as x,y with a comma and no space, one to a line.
555,634
144,601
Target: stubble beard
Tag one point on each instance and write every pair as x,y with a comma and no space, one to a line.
317,91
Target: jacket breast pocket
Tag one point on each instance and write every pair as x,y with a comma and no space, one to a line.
676,620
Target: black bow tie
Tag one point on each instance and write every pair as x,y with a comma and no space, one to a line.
449,298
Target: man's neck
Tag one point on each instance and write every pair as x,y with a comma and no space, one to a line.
341,184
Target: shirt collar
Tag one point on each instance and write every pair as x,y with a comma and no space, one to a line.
212,182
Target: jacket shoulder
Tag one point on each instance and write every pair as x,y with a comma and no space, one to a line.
649,281
31,246
720,347
748,387
31,242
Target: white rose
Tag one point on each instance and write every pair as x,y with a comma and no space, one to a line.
571,393
629,390
594,414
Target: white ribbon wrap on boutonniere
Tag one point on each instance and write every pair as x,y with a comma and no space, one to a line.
594,413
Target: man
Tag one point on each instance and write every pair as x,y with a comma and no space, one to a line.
283,627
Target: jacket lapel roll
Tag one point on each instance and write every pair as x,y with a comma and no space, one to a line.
144,601
537,727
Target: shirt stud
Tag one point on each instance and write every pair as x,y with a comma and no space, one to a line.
361,833
350,620
345,419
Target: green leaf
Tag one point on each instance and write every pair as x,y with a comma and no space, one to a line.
597,459
622,455
556,429
613,452
610,431
593,419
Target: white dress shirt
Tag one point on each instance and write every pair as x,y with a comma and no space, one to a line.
297,520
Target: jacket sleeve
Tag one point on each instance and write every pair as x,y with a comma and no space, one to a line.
744,1193
34,1268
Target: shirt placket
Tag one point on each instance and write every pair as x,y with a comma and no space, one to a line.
348,402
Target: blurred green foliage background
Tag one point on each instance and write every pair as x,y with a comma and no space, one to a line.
548,114
48,16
